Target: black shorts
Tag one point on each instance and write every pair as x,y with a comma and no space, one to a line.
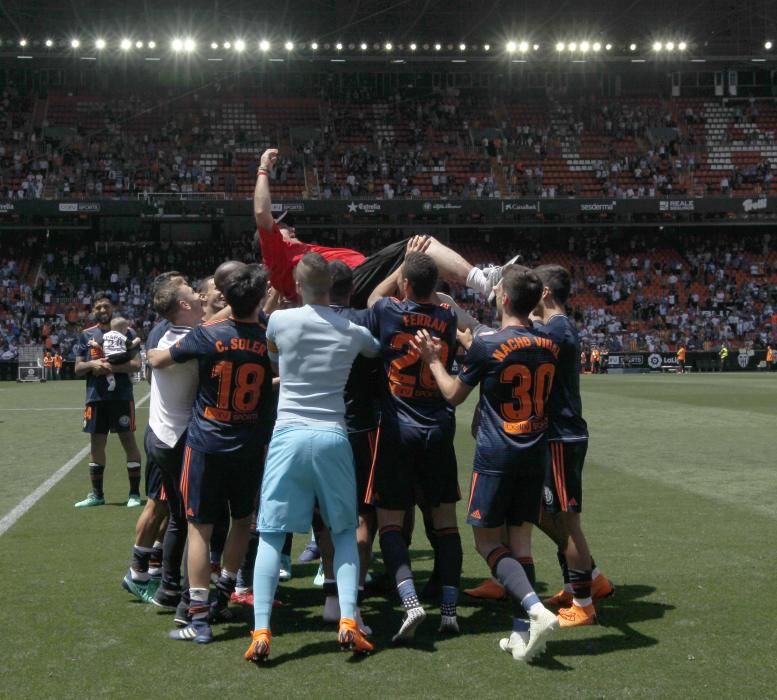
209,482
114,416
411,455
564,477
364,445
512,497
374,270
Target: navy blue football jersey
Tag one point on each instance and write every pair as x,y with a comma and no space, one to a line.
515,367
411,393
234,406
565,407
363,385
109,387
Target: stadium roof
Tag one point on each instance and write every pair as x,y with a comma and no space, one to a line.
714,26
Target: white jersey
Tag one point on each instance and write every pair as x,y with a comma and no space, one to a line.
315,347
172,392
114,343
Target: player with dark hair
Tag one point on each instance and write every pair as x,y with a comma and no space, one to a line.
361,420
310,459
110,405
225,440
281,250
568,441
416,436
514,367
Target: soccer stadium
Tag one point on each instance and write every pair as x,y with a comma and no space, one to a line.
354,291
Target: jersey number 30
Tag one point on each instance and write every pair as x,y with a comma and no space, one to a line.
529,393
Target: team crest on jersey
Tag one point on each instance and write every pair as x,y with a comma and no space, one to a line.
548,497
124,421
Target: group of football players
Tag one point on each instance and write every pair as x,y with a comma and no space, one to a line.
263,420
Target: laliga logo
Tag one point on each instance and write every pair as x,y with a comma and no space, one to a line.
654,361
754,204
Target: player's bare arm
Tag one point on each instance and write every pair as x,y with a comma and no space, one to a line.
262,201
99,367
454,391
464,338
129,367
464,321
388,287
158,359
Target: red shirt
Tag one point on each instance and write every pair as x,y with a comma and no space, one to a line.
282,255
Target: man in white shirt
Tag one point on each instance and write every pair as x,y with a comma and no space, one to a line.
310,459
172,395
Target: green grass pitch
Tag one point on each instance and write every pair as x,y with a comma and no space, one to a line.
680,510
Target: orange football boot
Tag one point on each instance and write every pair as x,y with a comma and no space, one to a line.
576,616
259,649
601,588
351,638
488,590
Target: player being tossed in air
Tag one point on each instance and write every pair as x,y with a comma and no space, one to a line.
568,441
225,440
310,460
514,367
110,406
416,435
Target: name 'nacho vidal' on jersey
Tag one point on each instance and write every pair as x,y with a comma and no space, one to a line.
234,407
515,367
412,392
108,387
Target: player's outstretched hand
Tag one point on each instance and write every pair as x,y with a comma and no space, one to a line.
429,348
269,159
418,244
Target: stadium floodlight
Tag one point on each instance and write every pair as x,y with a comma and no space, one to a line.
669,46
682,45
536,47
511,46
240,45
177,44
338,46
99,44
189,44
597,46
573,46
152,44
289,46
49,43
486,47
138,44
214,45
314,46
608,47
389,46
437,47
413,47
584,46
768,45
227,45
125,44
22,42
632,47
560,46
657,46
75,43
523,47
363,46
462,47
264,45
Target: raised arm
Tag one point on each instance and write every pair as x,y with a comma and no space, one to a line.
464,321
262,201
388,287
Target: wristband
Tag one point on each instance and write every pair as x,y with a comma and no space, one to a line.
263,171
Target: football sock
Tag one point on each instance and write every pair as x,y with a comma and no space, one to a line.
173,548
96,472
562,562
347,571
246,571
330,587
595,573
218,538
477,280
397,561
198,605
268,564
450,560
431,535
139,565
511,575
360,596
287,545
581,586
133,472
155,562
528,567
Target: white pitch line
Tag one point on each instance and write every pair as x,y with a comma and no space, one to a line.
13,516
